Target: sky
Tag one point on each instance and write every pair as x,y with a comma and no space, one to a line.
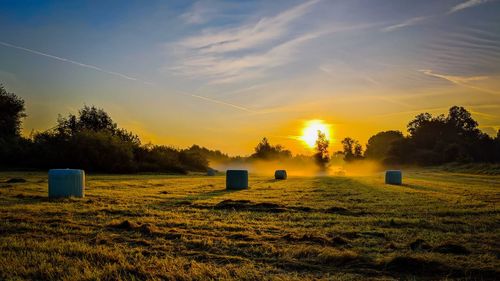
224,74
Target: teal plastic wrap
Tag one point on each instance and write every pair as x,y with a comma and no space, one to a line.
236,179
394,177
66,183
280,175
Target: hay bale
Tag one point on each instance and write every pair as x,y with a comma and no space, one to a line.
211,172
393,177
66,183
236,179
280,174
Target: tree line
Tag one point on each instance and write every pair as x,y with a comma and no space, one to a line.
435,140
91,140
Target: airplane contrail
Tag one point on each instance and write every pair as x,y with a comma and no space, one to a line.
71,61
121,75
224,103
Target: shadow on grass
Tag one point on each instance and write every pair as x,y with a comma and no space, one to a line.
419,187
190,199
29,199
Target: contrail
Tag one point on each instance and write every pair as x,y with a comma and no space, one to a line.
89,66
72,62
224,103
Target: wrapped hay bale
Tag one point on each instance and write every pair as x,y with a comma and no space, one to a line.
66,183
393,177
211,172
236,179
280,174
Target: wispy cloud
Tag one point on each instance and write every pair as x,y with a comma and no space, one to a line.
242,52
466,5
406,23
419,20
462,80
248,35
89,66
200,12
454,78
224,103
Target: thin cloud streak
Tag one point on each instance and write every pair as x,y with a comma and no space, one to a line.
406,23
466,5
223,103
89,66
243,52
246,36
461,80
124,76
222,69
93,67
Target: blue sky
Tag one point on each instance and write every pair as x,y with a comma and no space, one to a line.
182,72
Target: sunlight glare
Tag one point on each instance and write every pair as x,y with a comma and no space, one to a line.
310,131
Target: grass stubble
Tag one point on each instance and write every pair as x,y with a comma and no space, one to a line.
439,225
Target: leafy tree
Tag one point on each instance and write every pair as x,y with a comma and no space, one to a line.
211,155
380,144
14,149
193,160
352,150
91,118
264,150
443,139
11,113
358,151
461,119
322,156
418,122
101,151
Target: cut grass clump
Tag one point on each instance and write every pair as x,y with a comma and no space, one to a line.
127,225
324,255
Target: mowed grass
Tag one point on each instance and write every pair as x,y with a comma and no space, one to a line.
437,226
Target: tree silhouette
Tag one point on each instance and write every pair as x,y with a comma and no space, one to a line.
461,119
322,156
264,150
352,150
379,145
91,118
11,113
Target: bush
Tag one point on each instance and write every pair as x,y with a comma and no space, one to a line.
101,152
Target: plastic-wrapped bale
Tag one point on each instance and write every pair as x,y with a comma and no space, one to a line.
66,183
236,179
393,177
211,172
280,174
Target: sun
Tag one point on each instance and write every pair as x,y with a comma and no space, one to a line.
310,131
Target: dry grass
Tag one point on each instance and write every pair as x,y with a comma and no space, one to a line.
438,226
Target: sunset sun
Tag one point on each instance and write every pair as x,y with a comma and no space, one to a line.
310,132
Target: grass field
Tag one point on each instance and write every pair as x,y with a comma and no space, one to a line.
439,225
